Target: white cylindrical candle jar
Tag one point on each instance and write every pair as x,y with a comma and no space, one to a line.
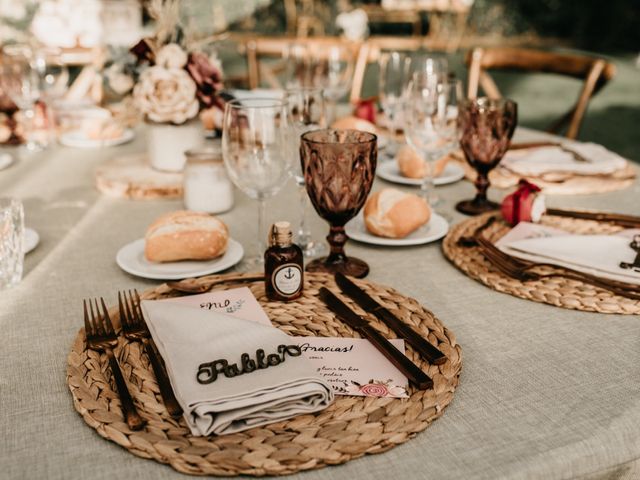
206,185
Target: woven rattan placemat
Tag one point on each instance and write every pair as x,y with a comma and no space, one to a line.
556,291
562,184
350,428
131,176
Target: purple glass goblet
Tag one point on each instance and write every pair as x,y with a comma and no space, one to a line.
487,126
338,167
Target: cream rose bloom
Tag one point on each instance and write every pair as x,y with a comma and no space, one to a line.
166,95
171,56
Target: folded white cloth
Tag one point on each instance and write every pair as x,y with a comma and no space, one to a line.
598,255
230,374
537,161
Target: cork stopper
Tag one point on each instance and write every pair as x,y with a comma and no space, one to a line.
280,234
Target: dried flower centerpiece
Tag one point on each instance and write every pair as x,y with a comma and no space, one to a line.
171,80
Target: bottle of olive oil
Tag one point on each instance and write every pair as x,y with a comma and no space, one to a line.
283,264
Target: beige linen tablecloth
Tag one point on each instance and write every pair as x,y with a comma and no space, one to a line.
545,392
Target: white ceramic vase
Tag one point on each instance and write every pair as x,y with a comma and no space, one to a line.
167,143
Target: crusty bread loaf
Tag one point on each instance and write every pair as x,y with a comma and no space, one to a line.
354,123
185,235
412,165
395,214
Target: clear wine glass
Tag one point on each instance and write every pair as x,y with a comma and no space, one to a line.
307,112
332,69
53,73
298,68
430,120
21,82
255,146
394,73
435,67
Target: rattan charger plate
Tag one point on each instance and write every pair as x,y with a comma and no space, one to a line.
350,428
556,291
562,184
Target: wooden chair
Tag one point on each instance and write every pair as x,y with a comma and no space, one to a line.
259,49
595,72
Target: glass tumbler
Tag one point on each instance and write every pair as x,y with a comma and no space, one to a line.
11,242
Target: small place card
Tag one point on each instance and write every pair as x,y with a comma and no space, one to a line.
237,302
353,366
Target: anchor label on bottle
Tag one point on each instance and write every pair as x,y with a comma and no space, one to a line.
287,279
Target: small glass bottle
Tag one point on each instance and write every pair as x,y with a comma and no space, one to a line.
206,185
283,264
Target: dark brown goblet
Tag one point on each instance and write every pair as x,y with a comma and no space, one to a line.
338,168
487,127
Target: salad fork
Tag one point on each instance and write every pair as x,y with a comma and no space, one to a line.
135,328
101,337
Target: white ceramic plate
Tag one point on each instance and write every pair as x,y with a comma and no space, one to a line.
388,170
131,259
31,239
6,160
77,139
432,231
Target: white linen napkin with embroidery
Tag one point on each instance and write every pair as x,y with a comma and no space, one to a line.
220,378
537,161
598,255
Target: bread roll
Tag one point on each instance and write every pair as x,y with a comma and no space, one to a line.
395,214
185,235
354,123
411,165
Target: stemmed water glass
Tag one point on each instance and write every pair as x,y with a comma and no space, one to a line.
394,72
307,112
21,82
332,69
255,147
298,68
430,118
487,126
338,166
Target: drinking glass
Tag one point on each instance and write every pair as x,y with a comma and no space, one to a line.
298,68
53,73
394,72
255,146
21,82
338,166
433,67
332,69
307,113
487,127
430,125
11,242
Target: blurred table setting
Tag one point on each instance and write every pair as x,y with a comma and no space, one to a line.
202,279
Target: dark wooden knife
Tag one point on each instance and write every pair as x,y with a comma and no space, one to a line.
368,304
416,376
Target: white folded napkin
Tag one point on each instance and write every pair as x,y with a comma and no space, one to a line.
598,255
195,344
537,161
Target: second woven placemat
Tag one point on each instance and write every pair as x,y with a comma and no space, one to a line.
557,291
350,428
562,184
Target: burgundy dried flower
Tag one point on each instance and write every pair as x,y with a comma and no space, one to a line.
208,79
142,52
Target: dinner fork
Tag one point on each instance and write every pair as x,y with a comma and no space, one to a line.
101,336
521,270
135,328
